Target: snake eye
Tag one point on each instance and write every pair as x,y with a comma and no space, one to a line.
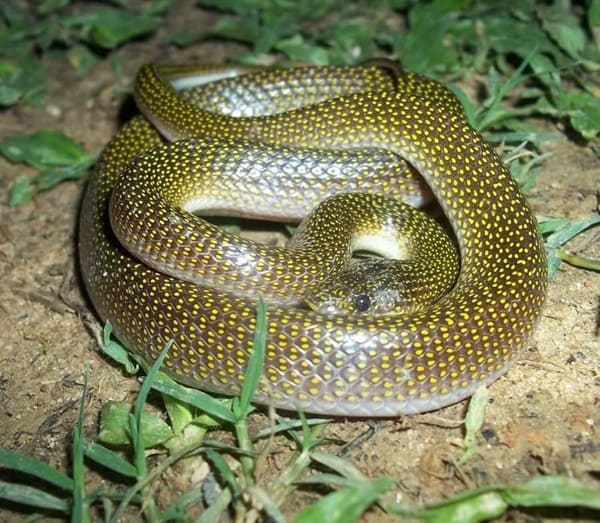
362,302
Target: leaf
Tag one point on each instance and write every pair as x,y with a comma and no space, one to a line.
43,149
473,421
224,471
185,37
109,459
340,465
553,491
197,398
425,47
510,35
23,82
81,59
472,507
116,351
563,26
347,505
33,497
593,13
114,426
21,191
109,28
583,110
255,361
560,231
298,49
26,465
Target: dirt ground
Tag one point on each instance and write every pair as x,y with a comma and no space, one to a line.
543,416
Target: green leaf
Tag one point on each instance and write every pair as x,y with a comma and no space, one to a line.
347,505
20,192
563,26
15,15
58,157
298,49
182,505
116,351
197,398
109,459
473,421
81,59
425,46
43,149
255,362
340,465
553,491
184,37
111,27
46,7
583,110
26,465
290,424
180,413
472,507
578,261
241,30
114,426
224,471
49,178
560,231
593,13
508,35
26,82
33,497
79,507
352,41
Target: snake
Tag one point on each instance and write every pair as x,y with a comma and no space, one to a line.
340,365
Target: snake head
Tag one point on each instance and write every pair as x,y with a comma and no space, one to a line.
371,286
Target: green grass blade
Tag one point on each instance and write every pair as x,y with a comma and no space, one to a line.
116,351
477,508
176,511
138,409
485,503
21,463
553,491
80,509
347,505
473,422
256,360
110,460
561,231
340,465
33,497
216,509
197,398
578,261
138,443
330,479
225,471
262,499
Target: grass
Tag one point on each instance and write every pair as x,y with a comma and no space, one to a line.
352,493
547,68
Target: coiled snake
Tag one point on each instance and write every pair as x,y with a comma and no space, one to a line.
352,365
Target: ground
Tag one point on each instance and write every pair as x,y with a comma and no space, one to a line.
543,416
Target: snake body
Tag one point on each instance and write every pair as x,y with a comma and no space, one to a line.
354,366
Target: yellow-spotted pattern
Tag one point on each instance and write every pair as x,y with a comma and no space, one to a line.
354,366
147,215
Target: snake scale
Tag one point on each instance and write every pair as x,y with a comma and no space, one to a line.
339,365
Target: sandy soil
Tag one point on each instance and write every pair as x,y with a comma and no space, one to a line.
543,417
